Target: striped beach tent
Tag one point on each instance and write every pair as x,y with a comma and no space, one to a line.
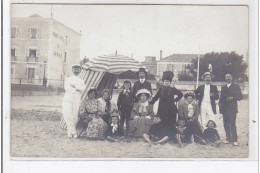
102,72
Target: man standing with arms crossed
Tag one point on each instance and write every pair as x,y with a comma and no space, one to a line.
71,101
230,94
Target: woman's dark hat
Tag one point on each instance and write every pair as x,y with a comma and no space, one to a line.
142,70
167,75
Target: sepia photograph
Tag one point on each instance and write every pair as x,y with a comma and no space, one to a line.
129,81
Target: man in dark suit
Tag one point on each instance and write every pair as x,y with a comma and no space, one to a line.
207,95
142,83
230,94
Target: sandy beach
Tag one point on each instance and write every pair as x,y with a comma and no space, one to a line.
36,132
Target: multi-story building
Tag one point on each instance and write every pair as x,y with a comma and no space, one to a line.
43,51
151,64
176,63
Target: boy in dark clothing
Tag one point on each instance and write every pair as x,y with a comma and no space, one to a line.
184,133
114,131
211,134
125,105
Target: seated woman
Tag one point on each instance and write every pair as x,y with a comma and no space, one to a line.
141,115
189,111
114,131
90,111
106,105
158,133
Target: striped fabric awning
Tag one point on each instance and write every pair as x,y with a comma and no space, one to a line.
115,64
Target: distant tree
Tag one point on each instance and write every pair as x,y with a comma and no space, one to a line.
221,63
185,77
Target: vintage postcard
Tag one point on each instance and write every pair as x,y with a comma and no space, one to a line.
99,81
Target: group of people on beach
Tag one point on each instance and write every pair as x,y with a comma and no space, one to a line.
133,116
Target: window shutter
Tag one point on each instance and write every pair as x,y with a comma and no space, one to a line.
37,52
29,33
16,51
16,32
38,33
28,52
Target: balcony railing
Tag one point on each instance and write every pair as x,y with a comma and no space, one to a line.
32,59
13,58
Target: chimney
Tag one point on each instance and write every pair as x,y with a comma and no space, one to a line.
160,54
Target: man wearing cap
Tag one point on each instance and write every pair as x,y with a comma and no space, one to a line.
142,83
207,95
230,94
71,101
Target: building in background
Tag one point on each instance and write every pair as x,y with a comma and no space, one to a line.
151,64
176,63
43,51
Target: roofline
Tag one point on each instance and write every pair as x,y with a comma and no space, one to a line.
45,19
163,60
66,26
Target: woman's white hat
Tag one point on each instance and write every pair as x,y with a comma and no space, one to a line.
143,91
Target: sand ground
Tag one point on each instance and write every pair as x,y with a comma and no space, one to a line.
35,132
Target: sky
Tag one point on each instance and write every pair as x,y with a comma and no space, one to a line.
144,30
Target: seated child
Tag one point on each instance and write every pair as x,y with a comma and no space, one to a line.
184,133
114,131
211,135
158,133
189,111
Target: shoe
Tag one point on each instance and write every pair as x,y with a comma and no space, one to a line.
226,142
69,135
75,135
235,143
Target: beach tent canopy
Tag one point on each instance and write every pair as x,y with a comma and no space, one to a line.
102,72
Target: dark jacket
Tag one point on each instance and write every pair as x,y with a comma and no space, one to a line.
138,85
125,101
211,135
200,93
231,106
117,133
167,109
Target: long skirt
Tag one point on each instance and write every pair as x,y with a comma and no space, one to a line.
140,126
96,128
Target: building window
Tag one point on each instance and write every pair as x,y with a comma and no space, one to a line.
14,32
13,52
32,52
34,33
